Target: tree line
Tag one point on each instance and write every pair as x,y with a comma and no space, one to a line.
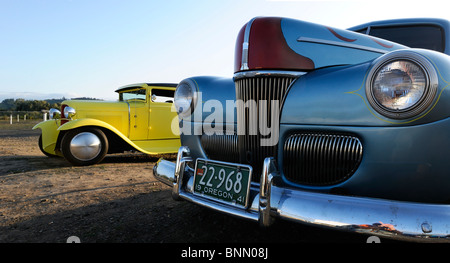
33,105
28,105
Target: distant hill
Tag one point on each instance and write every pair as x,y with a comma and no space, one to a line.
84,98
53,101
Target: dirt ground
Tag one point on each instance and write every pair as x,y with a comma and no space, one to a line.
46,200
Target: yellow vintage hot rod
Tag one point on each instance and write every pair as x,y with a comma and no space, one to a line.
84,131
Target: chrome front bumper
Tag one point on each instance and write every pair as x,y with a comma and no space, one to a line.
269,200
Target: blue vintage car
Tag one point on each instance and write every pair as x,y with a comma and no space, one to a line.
347,129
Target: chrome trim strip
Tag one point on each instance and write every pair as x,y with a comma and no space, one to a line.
387,218
245,45
340,44
267,73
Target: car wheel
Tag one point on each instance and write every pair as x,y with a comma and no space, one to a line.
85,146
42,149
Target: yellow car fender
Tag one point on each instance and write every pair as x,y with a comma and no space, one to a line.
89,122
49,135
151,147
93,122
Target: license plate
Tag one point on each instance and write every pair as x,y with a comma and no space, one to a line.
224,182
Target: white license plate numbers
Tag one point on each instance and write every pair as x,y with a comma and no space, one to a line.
224,182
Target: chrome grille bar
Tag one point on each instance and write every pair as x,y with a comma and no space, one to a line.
321,159
255,87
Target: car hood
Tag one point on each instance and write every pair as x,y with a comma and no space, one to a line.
288,44
92,108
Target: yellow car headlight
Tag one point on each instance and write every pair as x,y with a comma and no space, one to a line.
69,112
54,113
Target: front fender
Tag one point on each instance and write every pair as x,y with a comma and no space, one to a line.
88,122
50,135
94,122
323,97
337,96
213,95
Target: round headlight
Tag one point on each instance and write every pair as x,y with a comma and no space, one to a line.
185,98
54,113
401,85
69,112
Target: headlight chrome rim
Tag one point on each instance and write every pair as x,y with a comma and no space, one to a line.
429,92
69,112
54,113
185,84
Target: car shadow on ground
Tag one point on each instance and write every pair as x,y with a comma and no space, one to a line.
156,218
134,158
25,163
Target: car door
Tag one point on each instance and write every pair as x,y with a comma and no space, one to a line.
161,114
138,100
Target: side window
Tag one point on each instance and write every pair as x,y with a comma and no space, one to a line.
416,36
137,94
162,95
362,31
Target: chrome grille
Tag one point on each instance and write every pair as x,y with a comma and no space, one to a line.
258,88
221,147
321,159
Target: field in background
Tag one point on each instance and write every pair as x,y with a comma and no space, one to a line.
21,125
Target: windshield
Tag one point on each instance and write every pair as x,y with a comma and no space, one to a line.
137,94
416,36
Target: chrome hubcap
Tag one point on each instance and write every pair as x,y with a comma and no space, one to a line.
85,146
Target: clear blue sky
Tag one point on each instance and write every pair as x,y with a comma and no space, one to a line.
54,48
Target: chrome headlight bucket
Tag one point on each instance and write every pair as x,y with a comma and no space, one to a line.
185,98
54,113
401,85
69,112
